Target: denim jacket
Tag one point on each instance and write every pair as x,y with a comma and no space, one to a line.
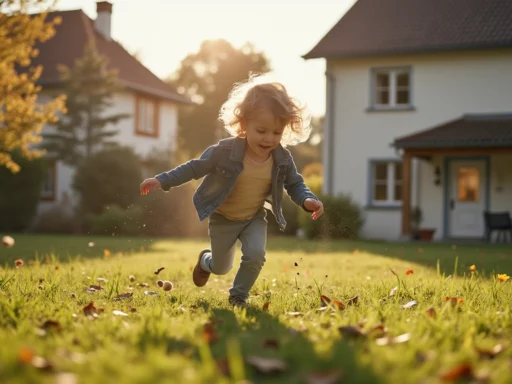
221,164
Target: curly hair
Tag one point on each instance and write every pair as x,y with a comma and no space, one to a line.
247,98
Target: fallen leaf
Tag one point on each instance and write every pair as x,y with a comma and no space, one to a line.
266,305
160,283
393,291
271,343
25,355
142,285
350,330
353,300
410,304
159,270
296,264
431,312
329,377
266,365
8,241
51,325
209,333
409,272
338,304
101,280
132,278
167,286
378,329
106,253
464,370
294,314
90,310
393,340
133,309
453,300
96,287
324,300
19,263
122,296
151,293
91,244
41,363
119,313
490,353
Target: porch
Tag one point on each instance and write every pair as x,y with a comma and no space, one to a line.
471,162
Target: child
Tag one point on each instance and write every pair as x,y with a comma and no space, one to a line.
242,174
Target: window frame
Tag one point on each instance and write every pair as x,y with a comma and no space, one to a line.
391,184
393,72
52,164
156,116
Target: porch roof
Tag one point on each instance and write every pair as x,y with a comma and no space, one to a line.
468,131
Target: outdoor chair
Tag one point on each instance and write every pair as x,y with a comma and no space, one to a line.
500,222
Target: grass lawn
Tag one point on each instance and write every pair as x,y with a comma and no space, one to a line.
49,330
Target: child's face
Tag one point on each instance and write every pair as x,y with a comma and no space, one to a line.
263,134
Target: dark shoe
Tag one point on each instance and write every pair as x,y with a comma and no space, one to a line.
237,302
199,275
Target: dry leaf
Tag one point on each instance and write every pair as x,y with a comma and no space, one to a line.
431,312
151,293
41,363
325,301
19,263
409,272
51,324
122,296
90,310
490,353
160,283
132,278
101,280
464,370
266,365
378,329
106,253
8,241
95,287
393,291
410,304
91,244
119,313
209,333
167,286
350,330
159,270
266,305
296,264
271,343
25,355
142,285
353,300
393,340
294,314
330,377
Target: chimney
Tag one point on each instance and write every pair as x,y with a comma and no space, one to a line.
103,19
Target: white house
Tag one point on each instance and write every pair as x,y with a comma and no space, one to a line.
152,104
419,113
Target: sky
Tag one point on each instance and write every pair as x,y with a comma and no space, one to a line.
163,32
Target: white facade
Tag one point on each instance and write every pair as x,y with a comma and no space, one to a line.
443,87
144,145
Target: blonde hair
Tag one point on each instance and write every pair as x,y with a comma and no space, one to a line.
257,92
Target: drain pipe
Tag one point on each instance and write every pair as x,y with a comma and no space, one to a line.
331,92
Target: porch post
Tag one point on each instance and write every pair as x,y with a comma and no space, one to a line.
406,193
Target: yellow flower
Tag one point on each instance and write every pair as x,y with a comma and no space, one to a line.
503,277
472,268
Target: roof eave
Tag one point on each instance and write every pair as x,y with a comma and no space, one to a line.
451,144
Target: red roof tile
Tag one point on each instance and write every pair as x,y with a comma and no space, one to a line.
68,45
381,27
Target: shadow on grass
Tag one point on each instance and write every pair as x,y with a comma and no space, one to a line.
263,335
489,258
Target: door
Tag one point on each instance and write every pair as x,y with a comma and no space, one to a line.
467,198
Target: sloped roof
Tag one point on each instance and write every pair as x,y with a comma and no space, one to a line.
469,131
380,27
68,45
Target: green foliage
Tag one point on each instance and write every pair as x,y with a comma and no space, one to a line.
20,192
342,218
207,77
115,220
89,88
108,177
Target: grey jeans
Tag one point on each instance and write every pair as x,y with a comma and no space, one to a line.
223,235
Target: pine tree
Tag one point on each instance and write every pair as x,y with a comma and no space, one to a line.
22,117
89,87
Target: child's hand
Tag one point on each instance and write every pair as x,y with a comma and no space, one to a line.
316,206
149,185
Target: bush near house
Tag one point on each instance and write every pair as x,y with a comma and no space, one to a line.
20,192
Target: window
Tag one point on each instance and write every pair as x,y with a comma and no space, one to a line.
48,190
386,183
468,184
391,88
146,117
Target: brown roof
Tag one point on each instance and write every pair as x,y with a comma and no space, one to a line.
381,27
69,43
469,131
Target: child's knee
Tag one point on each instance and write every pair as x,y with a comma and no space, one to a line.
254,256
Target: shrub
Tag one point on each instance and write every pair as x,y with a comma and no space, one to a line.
109,177
57,219
115,220
20,193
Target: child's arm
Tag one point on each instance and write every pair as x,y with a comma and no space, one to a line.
192,169
300,193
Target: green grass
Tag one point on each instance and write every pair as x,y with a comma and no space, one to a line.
162,338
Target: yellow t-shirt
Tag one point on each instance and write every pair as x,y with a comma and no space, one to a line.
248,195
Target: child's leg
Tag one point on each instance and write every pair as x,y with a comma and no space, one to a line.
223,237
254,239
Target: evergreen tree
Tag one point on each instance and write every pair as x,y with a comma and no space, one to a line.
89,87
